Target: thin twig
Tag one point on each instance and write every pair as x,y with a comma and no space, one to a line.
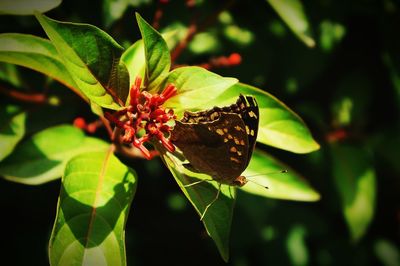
195,28
38,98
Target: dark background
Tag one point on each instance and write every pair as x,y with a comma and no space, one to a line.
162,228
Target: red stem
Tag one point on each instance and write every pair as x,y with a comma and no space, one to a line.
39,98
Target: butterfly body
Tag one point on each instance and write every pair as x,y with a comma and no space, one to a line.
220,141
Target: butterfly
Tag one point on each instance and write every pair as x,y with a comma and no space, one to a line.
220,141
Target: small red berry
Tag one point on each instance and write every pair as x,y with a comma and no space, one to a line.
235,59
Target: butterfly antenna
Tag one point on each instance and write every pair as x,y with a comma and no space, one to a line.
270,173
212,202
258,184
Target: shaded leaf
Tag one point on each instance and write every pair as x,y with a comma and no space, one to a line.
27,7
10,74
279,126
42,158
218,217
35,53
266,171
12,128
196,87
158,60
93,59
355,181
292,13
97,190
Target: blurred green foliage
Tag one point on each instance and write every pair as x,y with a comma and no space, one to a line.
346,88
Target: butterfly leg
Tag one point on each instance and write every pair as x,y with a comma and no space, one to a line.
212,202
197,182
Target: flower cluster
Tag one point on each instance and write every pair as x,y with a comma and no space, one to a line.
145,113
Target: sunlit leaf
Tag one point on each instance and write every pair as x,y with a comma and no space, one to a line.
292,13
158,61
279,126
264,170
42,158
35,53
355,180
135,61
92,58
12,128
26,7
97,190
196,87
218,217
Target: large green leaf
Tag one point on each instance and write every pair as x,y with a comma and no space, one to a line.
292,13
92,58
158,60
279,126
135,59
196,87
264,170
218,217
42,158
26,7
97,190
35,53
12,128
355,180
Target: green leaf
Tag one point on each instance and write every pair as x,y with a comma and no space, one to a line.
113,10
279,126
158,60
10,74
196,87
42,158
135,61
292,13
355,181
218,217
97,190
266,171
92,58
12,128
35,53
26,7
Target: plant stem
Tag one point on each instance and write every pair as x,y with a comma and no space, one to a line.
195,28
38,98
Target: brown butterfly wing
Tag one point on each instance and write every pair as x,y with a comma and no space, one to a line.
218,148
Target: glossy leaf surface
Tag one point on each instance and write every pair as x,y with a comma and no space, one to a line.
97,190
42,157
264,170
158,61
92,58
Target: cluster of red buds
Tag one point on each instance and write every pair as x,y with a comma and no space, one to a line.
223,61
145,113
